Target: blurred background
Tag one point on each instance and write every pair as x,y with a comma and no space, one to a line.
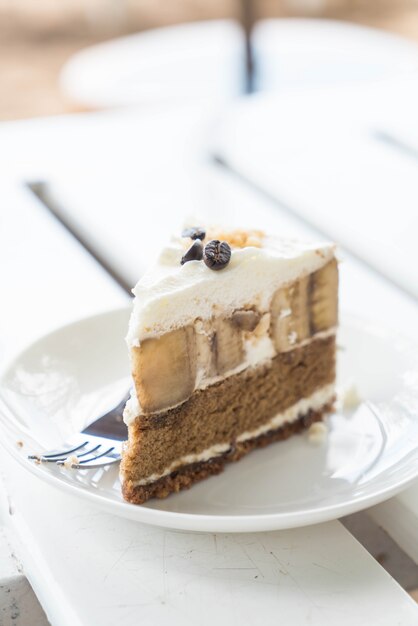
37,38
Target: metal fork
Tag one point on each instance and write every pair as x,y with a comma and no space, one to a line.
84,455
101,448
106,435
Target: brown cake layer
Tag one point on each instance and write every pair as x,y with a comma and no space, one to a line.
185,477
221,412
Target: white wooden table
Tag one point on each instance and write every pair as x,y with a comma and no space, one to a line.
121,181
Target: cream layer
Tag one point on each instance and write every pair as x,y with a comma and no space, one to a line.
170,295
314,402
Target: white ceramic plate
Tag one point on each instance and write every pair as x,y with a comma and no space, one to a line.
66,379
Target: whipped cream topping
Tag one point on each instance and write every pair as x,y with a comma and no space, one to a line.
171,295
314,402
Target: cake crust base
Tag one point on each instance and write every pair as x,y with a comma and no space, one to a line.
185,477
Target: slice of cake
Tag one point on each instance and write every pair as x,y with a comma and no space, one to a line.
232,344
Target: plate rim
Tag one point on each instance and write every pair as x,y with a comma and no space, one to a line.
212,522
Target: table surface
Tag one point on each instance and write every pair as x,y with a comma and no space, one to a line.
104,174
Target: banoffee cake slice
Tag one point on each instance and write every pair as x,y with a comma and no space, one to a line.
232,347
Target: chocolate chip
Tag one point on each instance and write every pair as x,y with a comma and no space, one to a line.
194,232
194,253
246,319
216,254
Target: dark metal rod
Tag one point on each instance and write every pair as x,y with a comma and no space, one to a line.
248,20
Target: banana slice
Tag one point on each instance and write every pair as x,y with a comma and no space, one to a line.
299,320
164,369
227,345
290,315
206,366
324,297
280,319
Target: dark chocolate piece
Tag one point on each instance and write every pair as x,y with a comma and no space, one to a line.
194,253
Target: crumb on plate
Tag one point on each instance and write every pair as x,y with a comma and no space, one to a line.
317,432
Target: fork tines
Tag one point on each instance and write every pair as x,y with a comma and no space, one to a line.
64,457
